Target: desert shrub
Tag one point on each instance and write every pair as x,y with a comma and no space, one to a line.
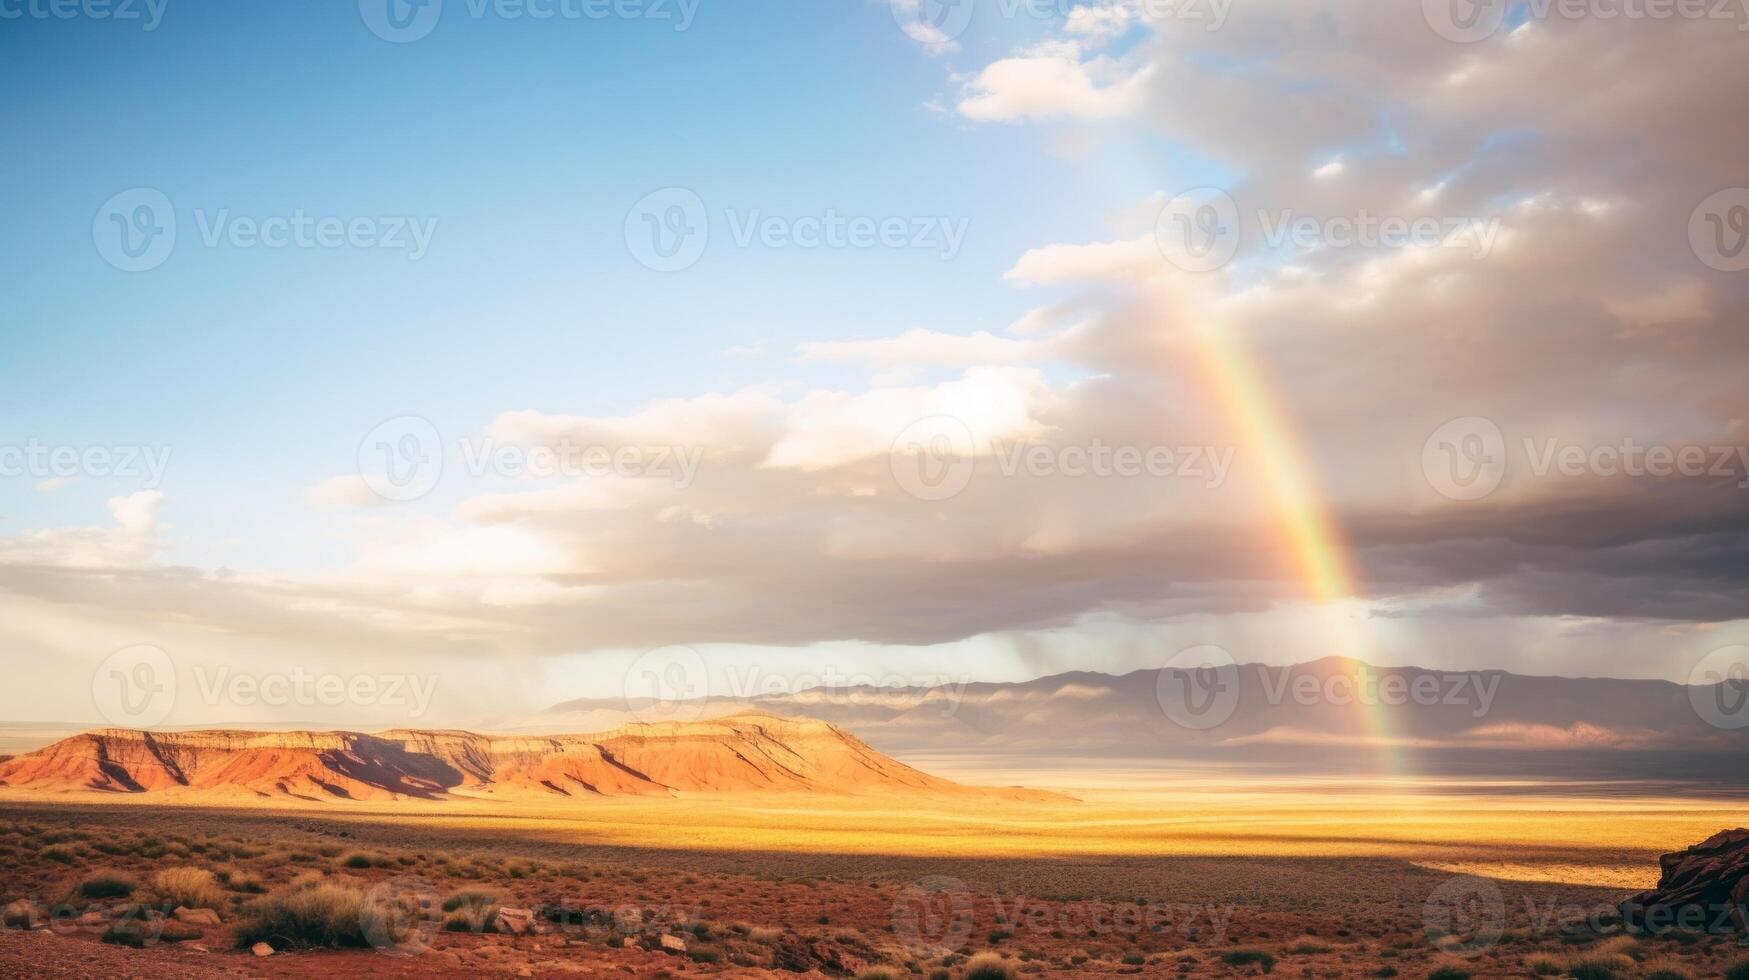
1307,949
1545,966
987,967
1449,973
1666,973
310,915
1385,972
1599,968
470,897
107,885
1246,957
711,954
196,888
328,850
130,934
359,860
242,880
139,933
60,855
878,973
1134,959
471,910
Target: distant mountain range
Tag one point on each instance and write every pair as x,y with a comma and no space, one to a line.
1336,711
745,753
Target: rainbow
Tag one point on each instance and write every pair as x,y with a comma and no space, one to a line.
1319,555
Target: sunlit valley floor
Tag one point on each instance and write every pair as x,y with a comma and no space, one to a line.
1180,873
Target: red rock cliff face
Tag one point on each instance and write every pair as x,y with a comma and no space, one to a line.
744,753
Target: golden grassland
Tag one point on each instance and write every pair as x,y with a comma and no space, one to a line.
1329,877
1524,832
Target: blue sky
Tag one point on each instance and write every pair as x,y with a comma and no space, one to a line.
527,141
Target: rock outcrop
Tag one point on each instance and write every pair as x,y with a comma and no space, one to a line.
1701,889
742,753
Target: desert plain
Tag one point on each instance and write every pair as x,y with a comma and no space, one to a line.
1192,872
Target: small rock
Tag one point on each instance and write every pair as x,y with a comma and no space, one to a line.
197,917
514,922
261,949
673,944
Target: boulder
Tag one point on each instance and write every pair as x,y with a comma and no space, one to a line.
196,917
673,944
799,955
261,949
514,922
1701,889
19,915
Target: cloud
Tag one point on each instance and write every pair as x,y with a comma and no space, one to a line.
1052,83
343,492
1589,323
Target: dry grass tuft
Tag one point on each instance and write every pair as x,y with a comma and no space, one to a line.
312,915
196,888
988,966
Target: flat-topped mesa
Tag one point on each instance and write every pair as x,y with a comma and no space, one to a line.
741,753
